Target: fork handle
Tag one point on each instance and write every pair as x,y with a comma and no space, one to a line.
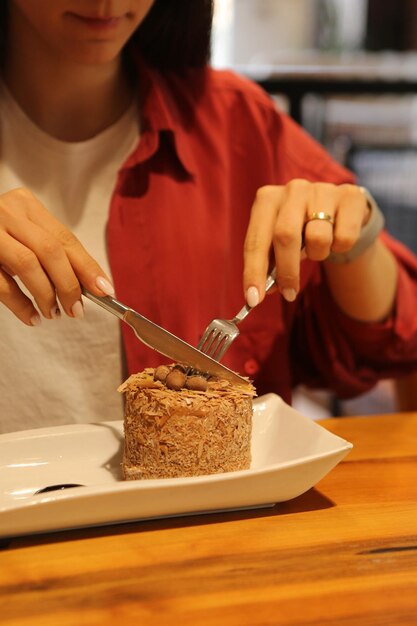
270,280
244,311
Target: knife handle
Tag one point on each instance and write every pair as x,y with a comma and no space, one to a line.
107,302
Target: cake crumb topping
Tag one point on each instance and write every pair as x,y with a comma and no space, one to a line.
174,378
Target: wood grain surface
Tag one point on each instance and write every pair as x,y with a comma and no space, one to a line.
343,553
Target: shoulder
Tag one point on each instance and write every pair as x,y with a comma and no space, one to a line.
298,153
221,89
226,99
234,102
227,83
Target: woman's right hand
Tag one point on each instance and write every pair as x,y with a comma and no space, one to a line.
47,258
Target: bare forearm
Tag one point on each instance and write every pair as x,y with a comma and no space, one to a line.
365,288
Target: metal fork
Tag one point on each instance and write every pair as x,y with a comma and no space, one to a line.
220,334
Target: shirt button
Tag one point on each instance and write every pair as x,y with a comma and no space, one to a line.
251,367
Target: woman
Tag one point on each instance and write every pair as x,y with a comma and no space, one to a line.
116,135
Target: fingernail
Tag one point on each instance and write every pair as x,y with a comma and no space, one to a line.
252,296
35,320
77,310
105,286
55,313
289,294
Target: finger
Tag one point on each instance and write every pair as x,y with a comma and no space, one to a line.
88,271
350,216
15,300
23,262
318,233
258,242
41,263
288,237
7,270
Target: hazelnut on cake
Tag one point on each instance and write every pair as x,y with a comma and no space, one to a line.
177,425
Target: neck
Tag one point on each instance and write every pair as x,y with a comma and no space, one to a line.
68,100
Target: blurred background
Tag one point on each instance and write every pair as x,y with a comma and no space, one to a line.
346,70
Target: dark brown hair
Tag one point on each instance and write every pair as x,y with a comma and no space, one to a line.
4,9
175,34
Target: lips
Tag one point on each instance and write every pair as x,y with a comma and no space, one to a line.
97,23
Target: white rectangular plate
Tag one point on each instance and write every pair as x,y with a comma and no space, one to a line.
290,454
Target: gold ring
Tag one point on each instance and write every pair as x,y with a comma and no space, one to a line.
321,215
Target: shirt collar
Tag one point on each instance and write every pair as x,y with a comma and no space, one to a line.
159,112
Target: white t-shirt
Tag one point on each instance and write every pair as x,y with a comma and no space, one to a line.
67,370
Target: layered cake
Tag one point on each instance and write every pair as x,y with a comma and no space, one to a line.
177,425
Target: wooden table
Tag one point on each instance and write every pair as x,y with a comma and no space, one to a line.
343,553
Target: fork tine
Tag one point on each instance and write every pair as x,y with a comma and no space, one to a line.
213,343
216,347
208,335
224,347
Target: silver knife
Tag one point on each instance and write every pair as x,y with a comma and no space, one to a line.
163,341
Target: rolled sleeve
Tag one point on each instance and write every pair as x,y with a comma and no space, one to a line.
349,356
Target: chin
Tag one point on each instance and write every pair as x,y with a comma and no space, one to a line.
93,54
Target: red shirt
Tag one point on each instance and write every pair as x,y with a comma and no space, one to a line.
176,228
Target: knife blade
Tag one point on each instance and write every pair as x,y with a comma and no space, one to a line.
163,341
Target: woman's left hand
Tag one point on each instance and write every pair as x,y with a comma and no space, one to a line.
286,218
